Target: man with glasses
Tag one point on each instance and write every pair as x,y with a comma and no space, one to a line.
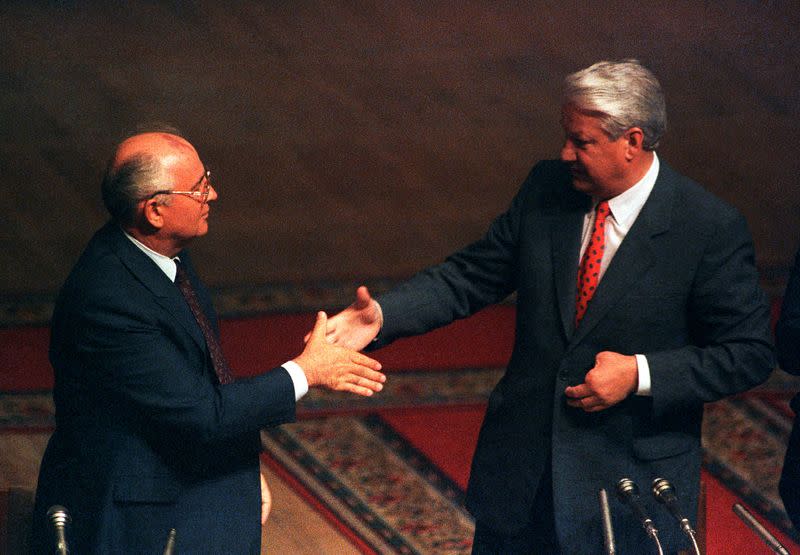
152,432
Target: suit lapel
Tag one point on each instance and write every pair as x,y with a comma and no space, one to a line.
165,293
635,255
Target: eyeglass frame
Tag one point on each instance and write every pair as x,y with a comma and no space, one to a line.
199,196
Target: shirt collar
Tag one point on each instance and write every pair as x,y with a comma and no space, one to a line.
626,206
166,263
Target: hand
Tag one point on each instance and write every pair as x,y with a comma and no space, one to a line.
266,498
338,368
612,379
357,325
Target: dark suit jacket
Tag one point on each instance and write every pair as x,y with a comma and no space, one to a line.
787,335
682,289
146,439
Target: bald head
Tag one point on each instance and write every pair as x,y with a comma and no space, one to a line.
165,147
143,164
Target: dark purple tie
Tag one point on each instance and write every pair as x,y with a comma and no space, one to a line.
221,367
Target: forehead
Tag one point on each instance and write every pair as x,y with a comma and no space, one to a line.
574,119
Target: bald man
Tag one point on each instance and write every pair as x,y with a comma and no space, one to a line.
152,433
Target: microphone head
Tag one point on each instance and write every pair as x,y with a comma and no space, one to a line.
627,487
662,489
58,515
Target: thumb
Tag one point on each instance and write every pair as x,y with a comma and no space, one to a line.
318,333
362,297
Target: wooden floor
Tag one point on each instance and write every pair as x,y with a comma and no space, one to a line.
293,526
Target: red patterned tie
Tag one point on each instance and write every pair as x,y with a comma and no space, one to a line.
221,367
589,271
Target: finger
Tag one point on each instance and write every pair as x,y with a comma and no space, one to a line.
318,333
589,404
366,382
368,374
365,361
357,389
578,391
330,333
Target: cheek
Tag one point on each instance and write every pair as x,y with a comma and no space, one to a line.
586,162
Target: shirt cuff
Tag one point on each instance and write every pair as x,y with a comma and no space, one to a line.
298,378
644,376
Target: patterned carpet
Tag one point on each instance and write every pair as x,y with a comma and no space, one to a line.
358,467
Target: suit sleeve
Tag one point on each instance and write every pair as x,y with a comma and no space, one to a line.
787,331
483,273
730,348
130,354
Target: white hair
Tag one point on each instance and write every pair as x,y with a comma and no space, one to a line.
625,94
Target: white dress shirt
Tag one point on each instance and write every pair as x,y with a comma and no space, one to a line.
167,266
624,209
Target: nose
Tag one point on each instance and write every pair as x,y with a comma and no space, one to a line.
567,152
212,193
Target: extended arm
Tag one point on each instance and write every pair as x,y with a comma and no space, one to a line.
126,352
470,279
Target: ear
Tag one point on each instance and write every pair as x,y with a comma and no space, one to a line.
634,137
152,213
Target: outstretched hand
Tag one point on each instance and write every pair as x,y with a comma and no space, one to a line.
358,324
335,367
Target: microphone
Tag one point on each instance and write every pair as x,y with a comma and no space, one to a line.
665,494
759,529
170,547
608,529
59,518
628,493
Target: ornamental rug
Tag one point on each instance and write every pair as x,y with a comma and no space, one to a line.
357,467
375,483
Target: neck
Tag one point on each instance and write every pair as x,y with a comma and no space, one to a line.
155,242
639,167
633,174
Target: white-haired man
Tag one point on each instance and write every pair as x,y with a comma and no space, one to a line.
637,301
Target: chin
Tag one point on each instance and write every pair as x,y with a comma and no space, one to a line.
583,186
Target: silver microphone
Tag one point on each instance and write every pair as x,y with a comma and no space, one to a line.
59,518
169,548
759,529
665,494
628,493
608,528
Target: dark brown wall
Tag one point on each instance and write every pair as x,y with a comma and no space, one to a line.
368,139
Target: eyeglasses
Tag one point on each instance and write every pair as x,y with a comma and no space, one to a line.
200,195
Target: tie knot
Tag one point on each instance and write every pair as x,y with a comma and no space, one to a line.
601,212
180,271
